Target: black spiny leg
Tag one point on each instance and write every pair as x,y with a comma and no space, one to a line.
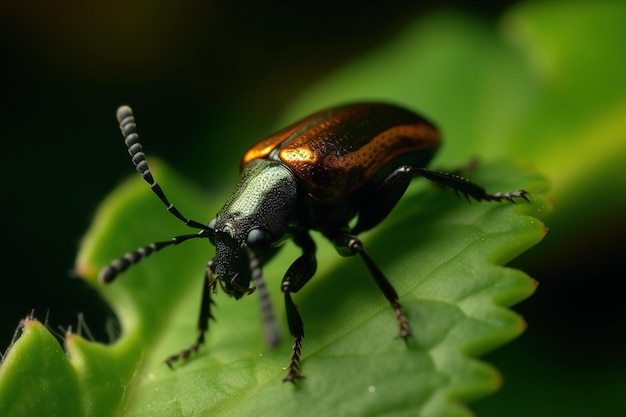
298,274
348,245
203,319
466,187
385,196
296,328
388,192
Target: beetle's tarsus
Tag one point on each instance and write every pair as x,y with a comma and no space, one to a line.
184,354
293,374
403,322
508,196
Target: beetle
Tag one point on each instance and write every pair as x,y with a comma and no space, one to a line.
340,164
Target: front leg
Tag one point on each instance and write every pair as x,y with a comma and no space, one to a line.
298,274
204,316
348,245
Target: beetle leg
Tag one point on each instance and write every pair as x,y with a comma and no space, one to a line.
384,198
466,187
348,245
388,192
204,317
298,274
296,328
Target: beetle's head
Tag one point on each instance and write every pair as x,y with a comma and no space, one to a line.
237,258
252,223
237,266
232,263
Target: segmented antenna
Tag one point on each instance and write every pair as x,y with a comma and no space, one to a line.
272,334
119,265
129,130
131,138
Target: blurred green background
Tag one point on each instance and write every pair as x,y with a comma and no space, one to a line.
231,68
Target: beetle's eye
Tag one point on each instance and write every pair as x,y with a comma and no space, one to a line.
259,239
211,227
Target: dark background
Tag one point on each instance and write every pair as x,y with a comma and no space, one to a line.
184,67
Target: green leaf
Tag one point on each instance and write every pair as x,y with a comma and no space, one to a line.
36,376
440,253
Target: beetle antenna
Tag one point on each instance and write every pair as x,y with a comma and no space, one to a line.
119,265
129,130
272,334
